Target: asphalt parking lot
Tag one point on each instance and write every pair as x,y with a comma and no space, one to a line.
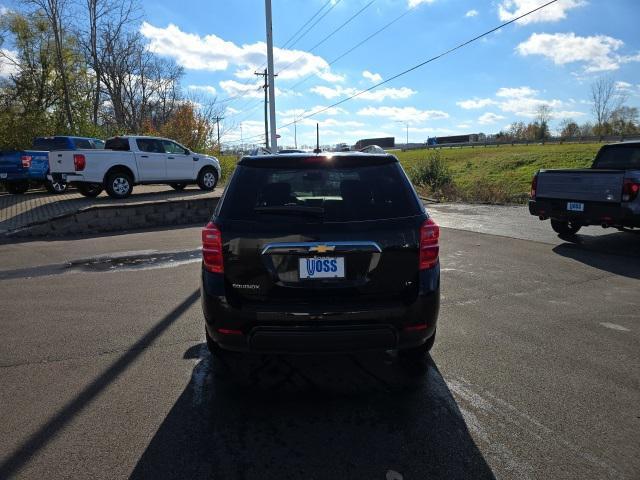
535,372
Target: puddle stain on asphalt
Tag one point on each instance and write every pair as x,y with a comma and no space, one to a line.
144,260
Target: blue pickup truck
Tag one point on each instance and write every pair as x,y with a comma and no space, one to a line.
20,168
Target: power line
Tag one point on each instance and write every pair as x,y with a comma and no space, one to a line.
315,23
344,24
422,64
359,44
305,24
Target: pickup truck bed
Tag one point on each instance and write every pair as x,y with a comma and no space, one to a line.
592,196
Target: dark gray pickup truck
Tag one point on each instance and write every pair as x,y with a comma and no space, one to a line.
607,194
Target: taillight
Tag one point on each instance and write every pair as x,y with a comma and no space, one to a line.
429,247
630,190
212,248
534,187
79,162
26,161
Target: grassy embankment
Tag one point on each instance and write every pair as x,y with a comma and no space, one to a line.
486,174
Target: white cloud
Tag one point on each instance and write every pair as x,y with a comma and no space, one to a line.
522,102
463,126
598,52
475,103
210,89
471,13
212,53
415,3
510,9
248,90
8,62
372,77
377,95
489,117
232,111
403,114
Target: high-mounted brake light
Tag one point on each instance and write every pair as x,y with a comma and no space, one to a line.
79,162
429,246
26,161
212,248
630,190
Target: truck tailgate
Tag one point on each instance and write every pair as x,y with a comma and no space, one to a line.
588,185
61,161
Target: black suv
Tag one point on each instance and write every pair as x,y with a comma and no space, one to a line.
320,253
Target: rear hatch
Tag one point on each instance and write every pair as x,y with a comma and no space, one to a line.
587,185
320,232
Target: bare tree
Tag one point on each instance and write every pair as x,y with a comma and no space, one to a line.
103,16
605,99
543,114
55,10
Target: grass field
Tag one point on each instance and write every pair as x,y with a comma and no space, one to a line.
489,174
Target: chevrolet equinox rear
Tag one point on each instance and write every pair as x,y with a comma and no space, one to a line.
320,253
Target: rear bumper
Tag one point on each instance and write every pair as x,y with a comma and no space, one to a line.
10,177
595,213
319,329
66,177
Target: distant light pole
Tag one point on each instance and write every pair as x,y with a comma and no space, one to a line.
407,125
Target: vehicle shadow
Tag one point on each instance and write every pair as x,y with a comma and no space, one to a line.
618,253
343,416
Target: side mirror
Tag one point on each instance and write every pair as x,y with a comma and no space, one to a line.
187,152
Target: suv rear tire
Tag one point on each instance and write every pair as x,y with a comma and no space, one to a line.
418,354
207,178
564,228
119,184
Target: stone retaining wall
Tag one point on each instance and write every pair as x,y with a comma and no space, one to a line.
115,218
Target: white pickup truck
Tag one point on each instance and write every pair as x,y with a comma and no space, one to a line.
132,160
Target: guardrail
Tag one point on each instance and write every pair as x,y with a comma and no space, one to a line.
552,141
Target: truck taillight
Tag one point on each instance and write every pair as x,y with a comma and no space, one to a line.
630,190
429,246
79,162
534,187
26,161
212,248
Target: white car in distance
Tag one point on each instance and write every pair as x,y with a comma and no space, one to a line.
133,160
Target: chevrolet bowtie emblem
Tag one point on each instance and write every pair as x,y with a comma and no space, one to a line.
322,248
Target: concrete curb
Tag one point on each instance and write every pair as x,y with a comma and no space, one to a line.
115,218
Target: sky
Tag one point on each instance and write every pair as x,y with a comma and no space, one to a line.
550,57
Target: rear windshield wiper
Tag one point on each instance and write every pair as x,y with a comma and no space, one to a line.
291,210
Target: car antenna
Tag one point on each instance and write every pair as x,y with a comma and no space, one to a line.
317,150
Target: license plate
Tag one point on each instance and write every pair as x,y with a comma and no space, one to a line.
3,175
575,207
321,267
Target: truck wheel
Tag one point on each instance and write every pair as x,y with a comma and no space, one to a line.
55,187
178,186
564,228
17,187
207,178
119,184
90,190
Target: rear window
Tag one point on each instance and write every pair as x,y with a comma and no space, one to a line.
51,143
117,143
320,194
83,143
618,157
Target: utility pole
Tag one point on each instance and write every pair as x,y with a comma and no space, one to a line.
218,128
295,133
266,102
272,91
